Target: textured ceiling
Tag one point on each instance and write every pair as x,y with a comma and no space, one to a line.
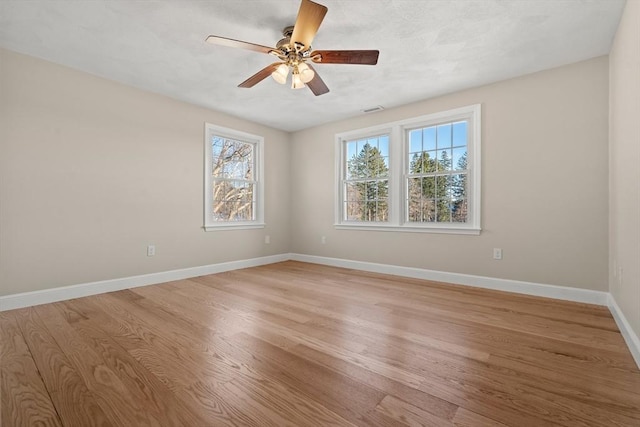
427,48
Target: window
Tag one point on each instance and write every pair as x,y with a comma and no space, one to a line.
233,179
366,185
436,173
421,174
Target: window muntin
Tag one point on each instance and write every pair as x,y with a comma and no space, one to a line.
432,177
366,184
233,179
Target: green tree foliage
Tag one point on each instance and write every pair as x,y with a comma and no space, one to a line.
459,211
430,197
368,196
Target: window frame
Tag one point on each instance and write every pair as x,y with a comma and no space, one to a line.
257,141
398,177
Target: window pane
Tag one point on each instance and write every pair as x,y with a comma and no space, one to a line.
219,190
415,210
428,211
217,166
460,134
355,168
459,158
220,210
361,146
245,210
429,162
443,210
382,211
444,162
414,196
414,187
415,141
444,136
413,162
383,145
383,190
429,187
248,169
351,149
443,186
236,191
459,211
429,135
354,211
226,168
248,192
353,192
367,191
384,167
459,186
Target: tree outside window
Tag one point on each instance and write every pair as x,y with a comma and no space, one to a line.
367,183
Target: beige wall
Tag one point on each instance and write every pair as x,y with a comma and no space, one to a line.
624,164
92,171
544,184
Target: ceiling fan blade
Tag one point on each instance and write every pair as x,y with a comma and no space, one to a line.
310,16
260,75
316,84
364,57
223,41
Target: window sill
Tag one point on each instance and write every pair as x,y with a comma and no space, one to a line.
234,226
409,229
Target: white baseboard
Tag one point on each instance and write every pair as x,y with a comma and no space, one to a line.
630,337
27,299
528,288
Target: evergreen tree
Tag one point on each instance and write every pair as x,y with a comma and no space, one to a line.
459,213
429,197
372,194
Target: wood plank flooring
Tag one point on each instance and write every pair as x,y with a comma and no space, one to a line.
296,344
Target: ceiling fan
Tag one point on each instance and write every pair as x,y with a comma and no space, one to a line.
294,51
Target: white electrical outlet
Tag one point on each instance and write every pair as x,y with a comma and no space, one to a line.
267,239
497,253
323,240
151,250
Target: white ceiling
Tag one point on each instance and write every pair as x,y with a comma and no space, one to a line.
427,47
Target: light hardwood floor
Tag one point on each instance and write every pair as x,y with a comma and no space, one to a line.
295,344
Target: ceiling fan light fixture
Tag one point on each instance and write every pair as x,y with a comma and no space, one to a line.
306,73
296,81
280,74
294,51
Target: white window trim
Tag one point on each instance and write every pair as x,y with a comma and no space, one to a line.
258,141
397,166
